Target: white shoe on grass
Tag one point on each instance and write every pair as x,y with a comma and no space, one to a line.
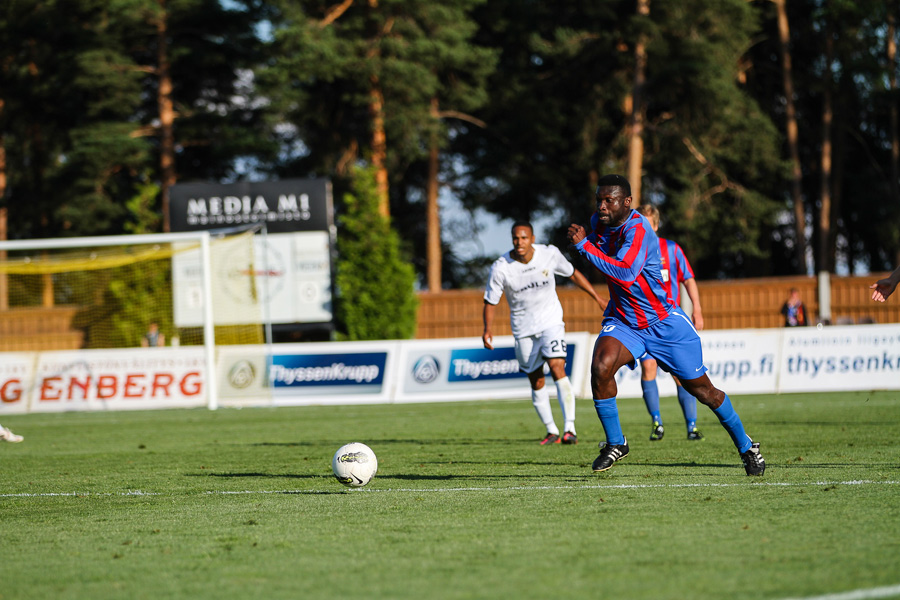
8,436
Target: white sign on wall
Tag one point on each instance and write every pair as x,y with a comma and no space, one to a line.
861,357
122,379
283,278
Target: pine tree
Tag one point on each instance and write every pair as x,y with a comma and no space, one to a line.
375,280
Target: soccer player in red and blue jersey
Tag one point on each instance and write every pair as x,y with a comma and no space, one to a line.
676,270
640,318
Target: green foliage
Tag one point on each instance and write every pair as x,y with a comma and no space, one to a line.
375,280
143,217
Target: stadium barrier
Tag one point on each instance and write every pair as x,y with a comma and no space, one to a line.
760,361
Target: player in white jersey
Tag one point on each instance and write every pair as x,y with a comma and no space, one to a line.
527,275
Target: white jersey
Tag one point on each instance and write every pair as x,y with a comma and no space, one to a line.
530,289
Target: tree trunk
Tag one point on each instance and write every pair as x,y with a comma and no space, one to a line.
837,184
824,260
4,283
895,136
433,209
636,118
379,146
166,115
784,38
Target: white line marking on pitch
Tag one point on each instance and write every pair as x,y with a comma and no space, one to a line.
879,592
621,486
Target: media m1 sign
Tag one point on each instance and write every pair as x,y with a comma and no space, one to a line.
286,206
291,271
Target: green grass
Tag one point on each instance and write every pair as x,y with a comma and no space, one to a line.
465,504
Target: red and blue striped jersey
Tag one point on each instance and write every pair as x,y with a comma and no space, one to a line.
629,257
675,268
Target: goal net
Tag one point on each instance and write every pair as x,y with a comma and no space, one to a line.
124,321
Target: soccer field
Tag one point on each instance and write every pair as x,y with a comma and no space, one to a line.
466,504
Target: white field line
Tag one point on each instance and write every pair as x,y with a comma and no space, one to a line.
891,591
623,486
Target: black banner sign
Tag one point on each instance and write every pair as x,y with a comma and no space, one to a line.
285,206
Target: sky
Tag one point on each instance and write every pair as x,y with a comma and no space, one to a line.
495,237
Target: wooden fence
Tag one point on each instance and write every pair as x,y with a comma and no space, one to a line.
730,304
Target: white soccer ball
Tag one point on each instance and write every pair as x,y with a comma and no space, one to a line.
354,464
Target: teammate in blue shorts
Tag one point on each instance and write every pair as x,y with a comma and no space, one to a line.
640,318
676,270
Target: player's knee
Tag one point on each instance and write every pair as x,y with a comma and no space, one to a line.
602,370
536,382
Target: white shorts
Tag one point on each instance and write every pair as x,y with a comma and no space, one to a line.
533,350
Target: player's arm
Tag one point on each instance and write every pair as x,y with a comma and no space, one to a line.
686,276
885,287
694,294
581,281
488,315
626,265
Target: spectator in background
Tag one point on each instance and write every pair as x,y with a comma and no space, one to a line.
153,337
8,436
885,287
794,311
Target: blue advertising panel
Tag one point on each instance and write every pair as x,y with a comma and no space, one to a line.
351,372
461,368
481,364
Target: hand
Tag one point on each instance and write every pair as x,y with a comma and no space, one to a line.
883,288
488,340
576,233
698,320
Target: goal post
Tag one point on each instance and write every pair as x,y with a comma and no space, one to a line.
102,294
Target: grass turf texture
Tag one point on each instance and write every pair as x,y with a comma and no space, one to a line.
466,504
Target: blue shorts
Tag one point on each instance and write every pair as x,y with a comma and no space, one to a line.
673,342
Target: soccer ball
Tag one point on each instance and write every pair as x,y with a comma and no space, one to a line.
354,464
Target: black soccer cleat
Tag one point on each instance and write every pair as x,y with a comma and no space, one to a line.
657,432
609,454
569,438
753,461
695,435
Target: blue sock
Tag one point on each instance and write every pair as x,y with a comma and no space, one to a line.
609,417
651,399
688,407
732,424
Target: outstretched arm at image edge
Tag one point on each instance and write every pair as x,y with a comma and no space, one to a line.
885,287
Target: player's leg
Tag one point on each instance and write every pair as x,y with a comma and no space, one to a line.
676,344
616,346
650,391
565,393
689,410
528,353
553,349
720,403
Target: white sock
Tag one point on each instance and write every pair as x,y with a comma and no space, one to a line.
566,396
541,400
